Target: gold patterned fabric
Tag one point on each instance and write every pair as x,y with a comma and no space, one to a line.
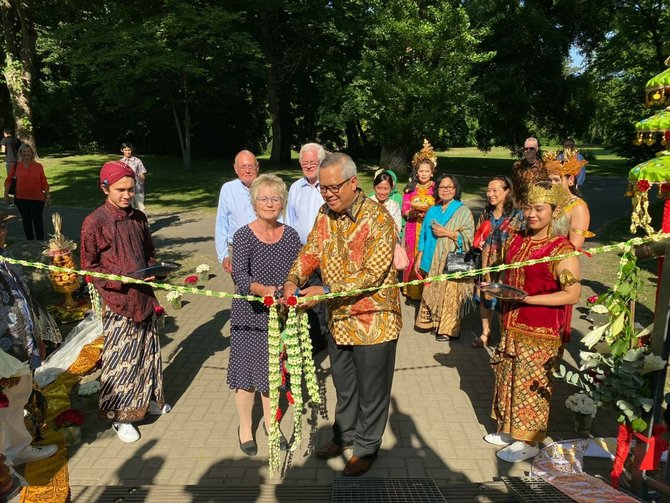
354,250
48,478
523,175
527,353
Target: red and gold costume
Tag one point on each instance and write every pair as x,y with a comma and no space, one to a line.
531,338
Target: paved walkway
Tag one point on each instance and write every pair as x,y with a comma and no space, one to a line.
440,402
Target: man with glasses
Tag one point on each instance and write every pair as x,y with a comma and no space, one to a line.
235,209
528,170
352,242
304,202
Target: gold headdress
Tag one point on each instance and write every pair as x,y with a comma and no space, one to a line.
556,195
425,154
570,165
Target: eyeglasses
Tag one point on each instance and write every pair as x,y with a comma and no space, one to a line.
247,166
334,189
446,187
266,200
529,148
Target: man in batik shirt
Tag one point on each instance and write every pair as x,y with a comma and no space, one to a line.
352,242
527,171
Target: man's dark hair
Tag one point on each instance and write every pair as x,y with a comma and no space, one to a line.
7,131
127,145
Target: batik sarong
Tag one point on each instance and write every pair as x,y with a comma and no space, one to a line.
132,373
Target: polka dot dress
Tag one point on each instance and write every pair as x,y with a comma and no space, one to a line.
267,264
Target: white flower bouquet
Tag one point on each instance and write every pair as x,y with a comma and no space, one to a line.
203,272
89,388
174,297
582,404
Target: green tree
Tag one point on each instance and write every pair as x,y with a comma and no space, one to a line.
415,77
18,32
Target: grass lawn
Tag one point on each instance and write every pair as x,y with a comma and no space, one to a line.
74,177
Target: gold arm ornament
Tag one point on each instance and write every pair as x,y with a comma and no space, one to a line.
566,278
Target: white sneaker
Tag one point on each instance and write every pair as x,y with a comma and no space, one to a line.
35,453
518,451
154,410
498,438
126,432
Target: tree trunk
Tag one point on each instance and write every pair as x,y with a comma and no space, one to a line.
275,116
187,129
394,158
19,37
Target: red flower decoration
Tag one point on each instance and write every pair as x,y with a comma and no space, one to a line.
191,280
70,417
643,185
278,414
289,397
4,401
268,300
665,187
159,310
593,299
292,301
89,279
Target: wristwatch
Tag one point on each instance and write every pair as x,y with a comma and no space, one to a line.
326,289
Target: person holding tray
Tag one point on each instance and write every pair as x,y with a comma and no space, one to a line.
533,325
115,239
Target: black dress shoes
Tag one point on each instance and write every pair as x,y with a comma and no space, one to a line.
249,448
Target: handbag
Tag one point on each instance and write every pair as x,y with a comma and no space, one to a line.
12,184
400,258
462,262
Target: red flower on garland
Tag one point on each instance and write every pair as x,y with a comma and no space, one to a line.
70,417
292,301
89,279
289,397
278,415
592,299
4,401
268,300
191,280
159,310
643,185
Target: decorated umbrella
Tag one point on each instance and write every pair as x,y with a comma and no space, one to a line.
654,127
643,177
657,90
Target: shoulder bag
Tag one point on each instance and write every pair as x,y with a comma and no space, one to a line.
12,185
400,258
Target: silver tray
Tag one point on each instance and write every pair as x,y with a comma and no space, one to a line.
503,291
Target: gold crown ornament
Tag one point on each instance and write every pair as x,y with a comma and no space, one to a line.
555,195
425,154
569,165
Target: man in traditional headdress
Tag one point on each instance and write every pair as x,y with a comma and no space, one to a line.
115,239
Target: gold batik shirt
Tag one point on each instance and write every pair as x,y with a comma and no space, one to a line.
354,250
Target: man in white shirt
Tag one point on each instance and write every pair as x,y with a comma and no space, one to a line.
235,209
304,201
304,197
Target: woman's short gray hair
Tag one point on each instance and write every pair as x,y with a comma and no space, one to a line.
320,151
274,183
345,162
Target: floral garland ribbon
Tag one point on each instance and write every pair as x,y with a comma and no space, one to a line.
621,246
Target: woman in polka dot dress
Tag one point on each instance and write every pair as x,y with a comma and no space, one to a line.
263,253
